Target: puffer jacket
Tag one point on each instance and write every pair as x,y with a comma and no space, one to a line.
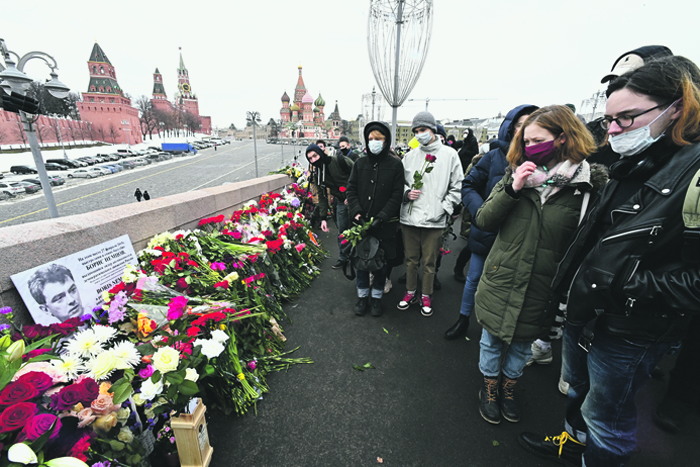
639,278
532,238
440,191
479,182
335,177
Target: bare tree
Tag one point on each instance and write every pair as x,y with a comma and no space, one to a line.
147,117
72,131
99,129
3,137
113,131
19,132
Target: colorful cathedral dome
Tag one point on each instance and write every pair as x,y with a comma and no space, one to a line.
319,102
294,107
285,97
316,109
307,99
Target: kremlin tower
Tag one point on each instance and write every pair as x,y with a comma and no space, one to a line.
104,104
160,99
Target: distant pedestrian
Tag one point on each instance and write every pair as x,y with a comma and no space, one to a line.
146,196
138,195
215,146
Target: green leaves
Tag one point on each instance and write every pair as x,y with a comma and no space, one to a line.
122,389
366,366
188,388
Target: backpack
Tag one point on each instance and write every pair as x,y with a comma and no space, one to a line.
365,256
691,219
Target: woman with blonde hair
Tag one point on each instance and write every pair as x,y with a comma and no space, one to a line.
535,209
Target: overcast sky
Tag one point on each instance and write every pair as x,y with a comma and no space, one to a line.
243,55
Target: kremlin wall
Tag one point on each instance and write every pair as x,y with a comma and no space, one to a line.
106,113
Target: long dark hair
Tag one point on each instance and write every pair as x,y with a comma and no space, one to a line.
665,80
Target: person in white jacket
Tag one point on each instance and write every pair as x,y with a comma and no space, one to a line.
426,210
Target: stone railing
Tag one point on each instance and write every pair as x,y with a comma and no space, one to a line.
26,246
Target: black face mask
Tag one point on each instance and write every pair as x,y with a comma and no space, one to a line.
345,151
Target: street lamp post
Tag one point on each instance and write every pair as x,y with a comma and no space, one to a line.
300,125
60,138
12,78
254,118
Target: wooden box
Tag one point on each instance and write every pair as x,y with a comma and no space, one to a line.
192,438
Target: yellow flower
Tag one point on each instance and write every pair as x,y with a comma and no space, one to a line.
105,423
106,296
222,327
102,365
104,388
166,359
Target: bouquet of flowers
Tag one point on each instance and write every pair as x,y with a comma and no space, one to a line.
418,175
355,234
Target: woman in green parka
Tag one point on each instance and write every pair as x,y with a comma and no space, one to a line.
535,209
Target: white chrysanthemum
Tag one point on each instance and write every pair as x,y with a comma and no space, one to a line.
126,354
219,336
104,333
210,347
101,366
160,239
149,251
149,390
70,366
84,344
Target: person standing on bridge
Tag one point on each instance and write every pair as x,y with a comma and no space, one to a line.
146,196
138,194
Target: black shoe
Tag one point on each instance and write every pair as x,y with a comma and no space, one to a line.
402,279
460,277
339,264
436,283
550,446
361,306
509,407
488,395
376,307
459,329
669,415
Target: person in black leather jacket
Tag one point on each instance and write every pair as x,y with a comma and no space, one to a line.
633,269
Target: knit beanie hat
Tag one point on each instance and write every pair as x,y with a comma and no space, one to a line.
343,139
424,119
441,131
323,157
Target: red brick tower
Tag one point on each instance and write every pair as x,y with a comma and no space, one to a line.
160,99
185,98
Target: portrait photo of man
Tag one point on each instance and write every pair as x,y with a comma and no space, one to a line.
56,292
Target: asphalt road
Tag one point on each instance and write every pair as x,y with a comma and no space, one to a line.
229,163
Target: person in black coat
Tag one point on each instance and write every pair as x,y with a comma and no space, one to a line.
375,191
138,195
469,149
146,196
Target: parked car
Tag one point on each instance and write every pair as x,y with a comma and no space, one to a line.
50,166
139,162
100,170
10,191
84,173
71,164
53,180
109,168
115,166
29,188
88,160
127,164
23,169
127,152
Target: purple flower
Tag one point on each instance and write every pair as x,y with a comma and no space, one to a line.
116,307
4,327
295,203
172,440
88,317
5,310
146,372
218,266
102,464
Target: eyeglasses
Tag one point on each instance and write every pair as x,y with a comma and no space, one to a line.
626,121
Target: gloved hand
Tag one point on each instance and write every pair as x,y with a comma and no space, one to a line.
358,220
376,225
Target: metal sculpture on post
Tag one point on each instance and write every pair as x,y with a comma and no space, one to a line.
398,35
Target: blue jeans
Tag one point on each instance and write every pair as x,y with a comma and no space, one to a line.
341,217
377,285
601,411
476,267
492,360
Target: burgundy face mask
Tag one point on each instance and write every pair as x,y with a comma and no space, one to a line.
541,153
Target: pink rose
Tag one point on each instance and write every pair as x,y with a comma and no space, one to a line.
85,417
40,424
103,405
146,372
44,367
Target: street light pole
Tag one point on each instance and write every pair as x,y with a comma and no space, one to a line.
13,78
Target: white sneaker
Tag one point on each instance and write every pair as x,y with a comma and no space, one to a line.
563,386
371,279
387,285
540,356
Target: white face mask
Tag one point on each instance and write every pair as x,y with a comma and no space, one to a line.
424,138
375,147
636,141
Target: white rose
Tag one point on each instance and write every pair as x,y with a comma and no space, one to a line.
219,336
191,374
149,390
123,415
125,435
166,359
211,348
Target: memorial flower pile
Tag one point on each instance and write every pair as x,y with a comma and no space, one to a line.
199,316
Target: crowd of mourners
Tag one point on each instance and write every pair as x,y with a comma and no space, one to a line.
586,231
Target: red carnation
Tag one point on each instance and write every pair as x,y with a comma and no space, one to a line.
18,392
41,381
15,416
342,189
